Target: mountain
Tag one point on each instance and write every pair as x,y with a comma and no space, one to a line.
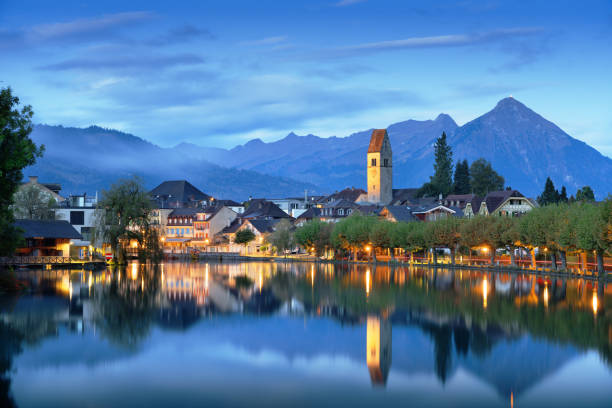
523,147
91,159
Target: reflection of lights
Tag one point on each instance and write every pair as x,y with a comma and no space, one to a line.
594,302
367,282
546,296
134,244
134,271
485,290
368,248
142,284
312,276
511,400
260,280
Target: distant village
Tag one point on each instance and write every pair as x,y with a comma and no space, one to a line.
190,221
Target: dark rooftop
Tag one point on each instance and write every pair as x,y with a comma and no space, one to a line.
47,229
178,190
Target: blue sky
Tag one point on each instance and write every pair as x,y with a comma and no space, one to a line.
219,73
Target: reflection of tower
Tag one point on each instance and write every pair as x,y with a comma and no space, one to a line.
378,349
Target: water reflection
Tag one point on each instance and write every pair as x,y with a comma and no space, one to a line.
510,332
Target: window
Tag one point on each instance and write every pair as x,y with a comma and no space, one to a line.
77,217
386,162
373,162
341,212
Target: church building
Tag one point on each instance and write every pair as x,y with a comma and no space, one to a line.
379,166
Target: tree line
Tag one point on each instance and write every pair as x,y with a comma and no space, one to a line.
556,229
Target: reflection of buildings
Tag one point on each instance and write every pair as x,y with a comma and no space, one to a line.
378,349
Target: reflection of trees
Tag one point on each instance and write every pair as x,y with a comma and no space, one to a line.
566,320
443,340
10,345
124,309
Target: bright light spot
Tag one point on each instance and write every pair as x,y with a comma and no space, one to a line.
546,296
595,303
485,290
134,271
367,282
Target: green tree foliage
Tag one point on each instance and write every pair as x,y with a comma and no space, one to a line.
17,151
461,183
353,232
549,195
484,179
504,233
123,215
381,236
563,195
282,238
244,236
32,204
314,234
585,194
477,232
593,230
443,233
442,179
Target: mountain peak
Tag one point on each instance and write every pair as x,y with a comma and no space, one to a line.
510,103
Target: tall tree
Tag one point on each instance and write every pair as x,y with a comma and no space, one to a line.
282,237
563,195
123,215
461,183
483,178
17,151
549,195
442,179
585,194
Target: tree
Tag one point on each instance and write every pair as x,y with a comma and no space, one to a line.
549,195
17,151
442,180
477,232
282,237
461,184
244,236
314,234
443,233
123,215
381,236
353,232
32,204
563,195
594,231
585,194
484,179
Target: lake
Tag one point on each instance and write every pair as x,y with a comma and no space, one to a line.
302,334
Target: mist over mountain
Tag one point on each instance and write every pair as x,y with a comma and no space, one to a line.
523,147
91,159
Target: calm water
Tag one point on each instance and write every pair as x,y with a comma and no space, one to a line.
194,334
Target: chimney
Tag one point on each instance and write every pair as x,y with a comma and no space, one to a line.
33,179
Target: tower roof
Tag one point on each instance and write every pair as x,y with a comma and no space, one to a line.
376,142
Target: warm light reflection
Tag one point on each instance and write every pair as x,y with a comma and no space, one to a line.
312,272
134,271
367,282
546,296
511,400
260,280
595,301
485,290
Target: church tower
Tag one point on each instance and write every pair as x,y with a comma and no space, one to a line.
379,165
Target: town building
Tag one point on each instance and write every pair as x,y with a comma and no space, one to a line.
259,208
80,212
209,222
262,228
435,212
179,194
50,190
355,195
505,203
179,228
46,238
379,168
397,213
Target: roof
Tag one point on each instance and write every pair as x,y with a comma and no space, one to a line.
233,227
429,208
179,190
264,226
341,203
369,209
47,229
260,208
496,198
184,212
400,213
406,196
310,213
376,142
227,203
350,194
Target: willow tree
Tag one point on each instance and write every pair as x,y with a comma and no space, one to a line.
123,215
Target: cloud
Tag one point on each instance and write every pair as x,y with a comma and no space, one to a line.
267,41
344,3
440,41
182,34
79,29
125,62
